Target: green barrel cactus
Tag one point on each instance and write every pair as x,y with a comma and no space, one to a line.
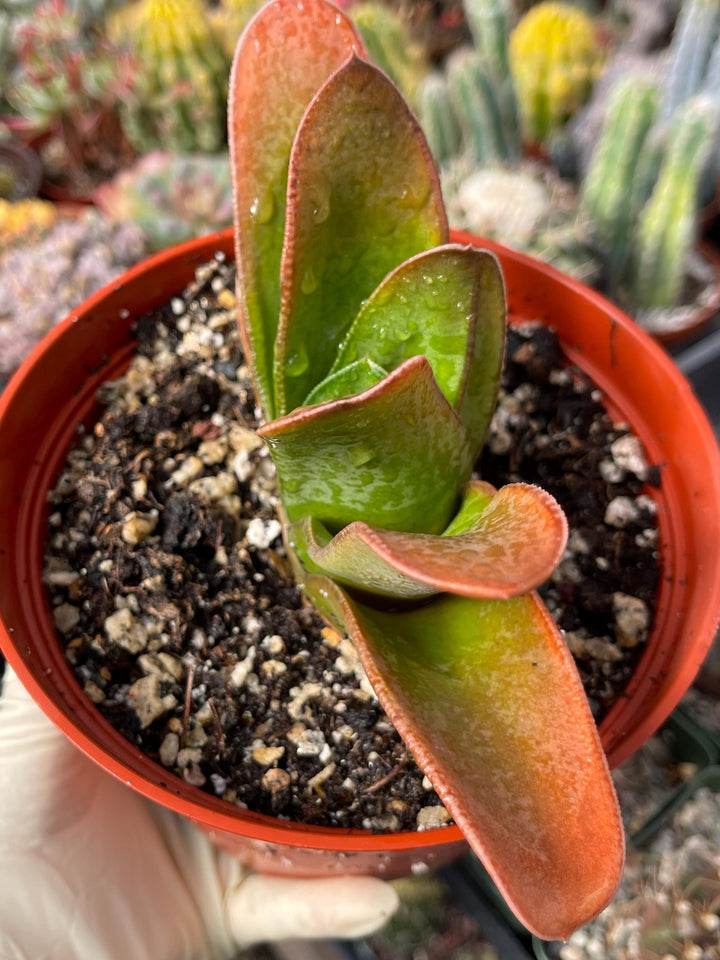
555,57
667,226
181,93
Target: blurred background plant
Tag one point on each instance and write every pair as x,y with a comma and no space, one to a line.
171,197
654,165
471,112
67,87
49,263
179,98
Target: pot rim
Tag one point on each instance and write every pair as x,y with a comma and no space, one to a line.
58,687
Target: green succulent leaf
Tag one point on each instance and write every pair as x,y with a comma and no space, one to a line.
487,697
286,54
446,304
489,558
356,377
395,456
363,197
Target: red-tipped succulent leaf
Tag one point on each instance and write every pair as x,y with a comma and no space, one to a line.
363,197
396,455
487,697
489,558
285,55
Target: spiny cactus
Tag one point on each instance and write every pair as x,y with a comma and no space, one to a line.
390,45
490,23
473,95
606,194
668,224
690,52
25,220
181,95
171,197
555,57
437,116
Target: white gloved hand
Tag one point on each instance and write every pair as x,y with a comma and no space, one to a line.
89,870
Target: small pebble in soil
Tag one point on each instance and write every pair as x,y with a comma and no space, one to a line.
172,596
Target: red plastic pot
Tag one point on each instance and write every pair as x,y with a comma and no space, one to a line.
53,394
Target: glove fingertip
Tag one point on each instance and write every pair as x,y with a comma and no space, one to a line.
277,908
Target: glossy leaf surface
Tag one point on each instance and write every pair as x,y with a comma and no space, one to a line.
363,197
487,697
395,455
448,305
285,55
490,558
347,381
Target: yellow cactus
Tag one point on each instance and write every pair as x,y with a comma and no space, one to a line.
555,57
24,220
181,93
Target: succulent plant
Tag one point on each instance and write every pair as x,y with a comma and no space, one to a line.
376,346
487,135
390,45
690,52
694,70
555,58
668,225
171,197
228,20
71,83
643,189
490,23
25,220
437,116
469,106
180,96
606,193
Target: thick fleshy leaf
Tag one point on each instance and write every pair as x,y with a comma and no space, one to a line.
395,455
285,55
347,381
447,304
486,696
490,558
363,197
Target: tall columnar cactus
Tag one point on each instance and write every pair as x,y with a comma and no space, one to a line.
437,116
695,33
390,45
606,194
490,23
486,136
555,58
181,94
668,224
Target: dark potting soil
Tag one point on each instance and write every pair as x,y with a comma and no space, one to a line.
171,595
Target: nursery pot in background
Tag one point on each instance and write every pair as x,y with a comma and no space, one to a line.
52,396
